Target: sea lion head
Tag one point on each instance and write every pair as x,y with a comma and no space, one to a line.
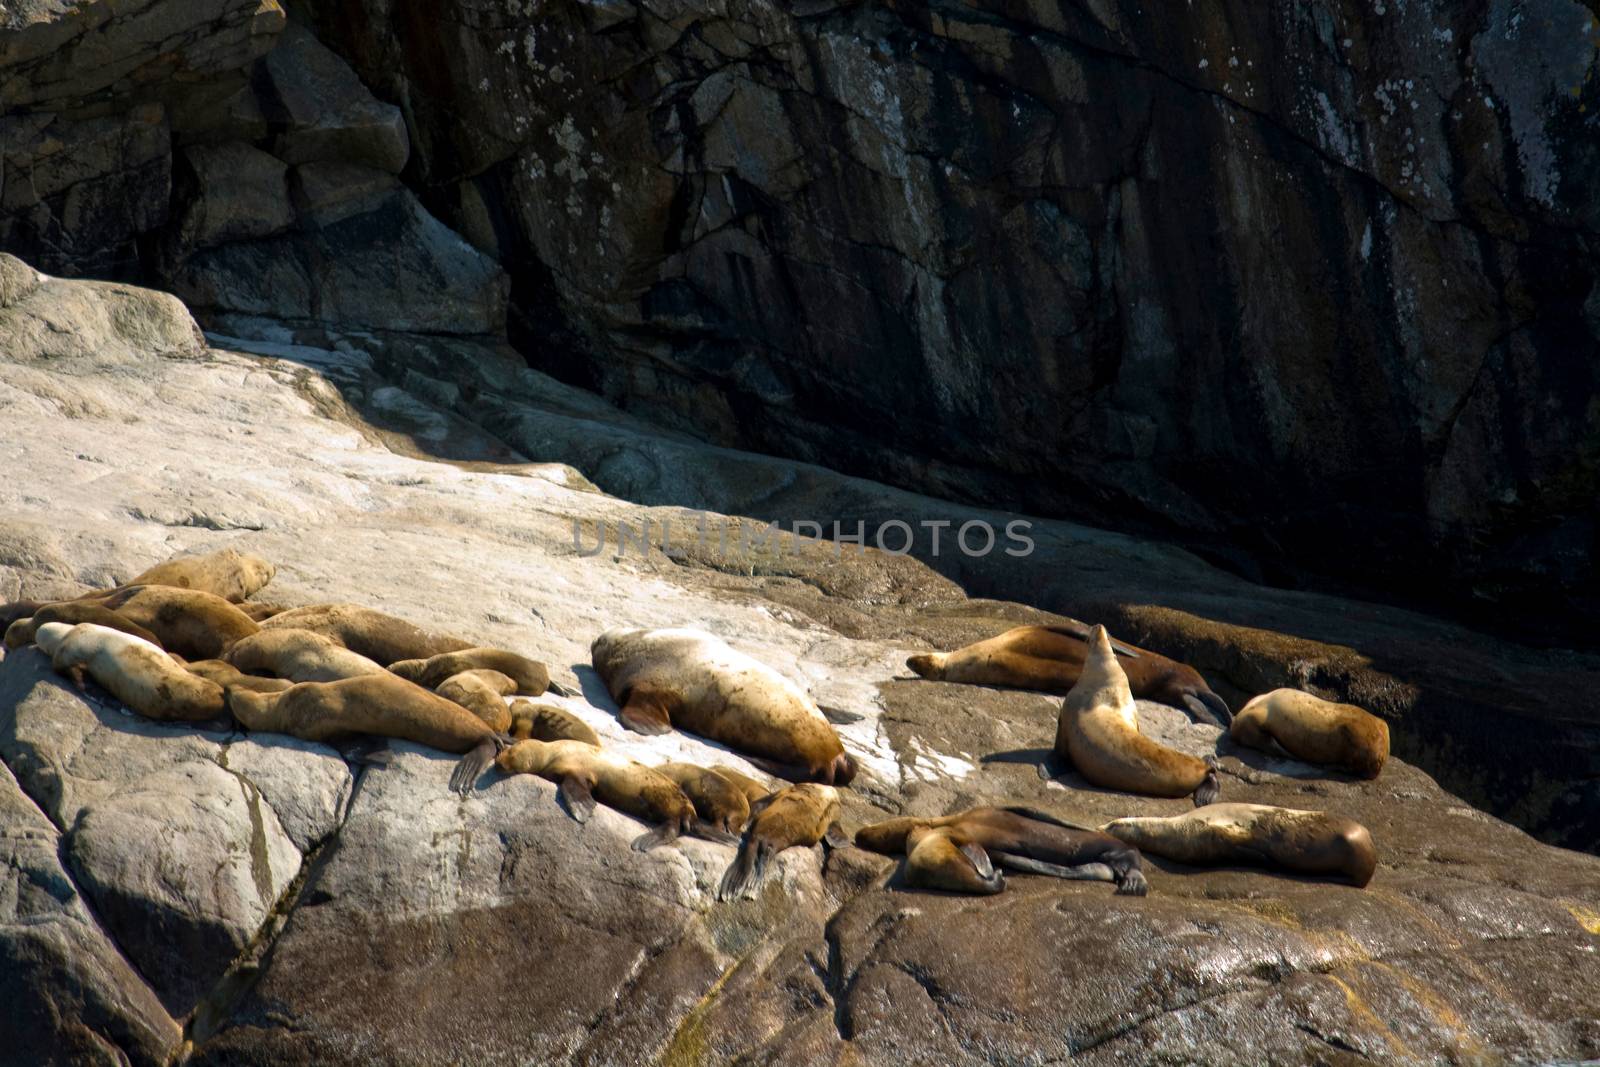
49,636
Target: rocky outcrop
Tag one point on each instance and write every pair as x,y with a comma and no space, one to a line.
335,915
1272,279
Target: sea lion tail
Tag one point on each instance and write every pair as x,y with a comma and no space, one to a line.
472,765
928,664
1210,788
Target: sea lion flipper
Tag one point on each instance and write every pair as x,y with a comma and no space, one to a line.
838,716
1210,788
1044,816
576,796
738,874
706,832
980,860
1083,872
645,712
664,834
557,688
836,837
1081,632
1208,708
369,750
471,767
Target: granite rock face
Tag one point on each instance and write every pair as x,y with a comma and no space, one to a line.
330,914
1273,279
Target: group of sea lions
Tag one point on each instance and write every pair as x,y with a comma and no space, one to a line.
184,642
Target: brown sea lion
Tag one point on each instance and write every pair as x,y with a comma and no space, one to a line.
1314,730
483,693
754,791
379,637
377,704
225,674
229,574
20,633
1256,835
1051,658
719,802
694,681
134,671
585,773
189,622
261,612
299,656
546,722
1098,730
531,676
960,853
798,816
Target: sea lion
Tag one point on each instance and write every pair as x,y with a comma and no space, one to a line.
584,773
483,693
1098,730
1051,658
379,637
189,622
546,722
299,656
531,676
131,669
798,816
960,853
378,704
719,801
230,574
261,612
692,680
1306,842
20,633
225,674
753,791
1314,730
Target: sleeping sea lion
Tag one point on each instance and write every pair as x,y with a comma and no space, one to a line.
719,802
1098,730
584,773
546,722
1314,730
483,693
531,676
1051,658
1257,835
299,656
229,574
379,637
190,623
692,680
72,612
960,853
225,674
378,704
798,816
133,670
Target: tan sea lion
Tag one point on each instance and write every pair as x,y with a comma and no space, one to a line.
382,638
754,791
225,674
531,676
189,622
585,773
299,656
1051,658
719,802
20,633
483,693
1098,730
376,704
546,722
1314,730
133,670
1306,842
798,816
229,574
960,853
694,681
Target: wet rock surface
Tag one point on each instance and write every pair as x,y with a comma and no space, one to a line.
393,921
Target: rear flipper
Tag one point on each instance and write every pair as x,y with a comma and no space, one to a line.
578,800
369,751
1125,864
1210,788
471,766
1050,766
1087,872
839,717
557,688
665,834
1209,708
746,871
707,832
836,837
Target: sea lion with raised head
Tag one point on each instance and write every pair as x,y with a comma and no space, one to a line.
584,773
1051,659
299,656
1256,835
190,623
483,693
72,612
546,722
375,704
1314,730
379,637
966,852
133,670
796,817
691,680
531,676
1098,731
225,674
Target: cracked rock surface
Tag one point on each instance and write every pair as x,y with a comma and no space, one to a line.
254,900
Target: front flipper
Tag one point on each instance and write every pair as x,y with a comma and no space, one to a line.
1085,872
706,832
576,798
835,837
980,860
839,717
1208,708
369,750
646,711
664,834
472,765
557,688
1081,632
1050,766
1210,788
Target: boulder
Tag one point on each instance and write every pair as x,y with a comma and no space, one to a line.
323,111
238,192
